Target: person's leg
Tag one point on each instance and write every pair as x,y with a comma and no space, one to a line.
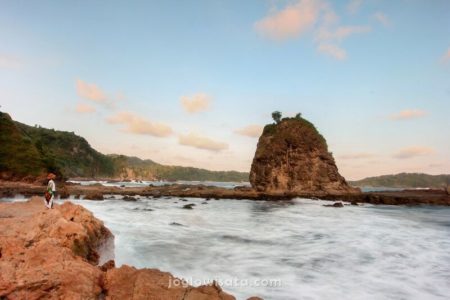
50,203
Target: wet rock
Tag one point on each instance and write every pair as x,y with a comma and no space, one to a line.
205,202
189,206
176,224
185,200
63,193
354,203
129,198
94,196
335,204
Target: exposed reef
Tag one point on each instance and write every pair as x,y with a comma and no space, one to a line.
406,197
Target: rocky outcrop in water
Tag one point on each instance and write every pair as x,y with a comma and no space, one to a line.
292,156
53,254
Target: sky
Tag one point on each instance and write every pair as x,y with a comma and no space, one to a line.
192,83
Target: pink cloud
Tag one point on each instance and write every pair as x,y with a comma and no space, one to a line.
9,62
414,151
316,17
196,103
84,108
201,142
408,114
90,91
253,131
333,51
289,22
340,32
360,155
136,124
446,56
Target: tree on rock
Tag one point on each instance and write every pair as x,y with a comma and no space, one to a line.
276,116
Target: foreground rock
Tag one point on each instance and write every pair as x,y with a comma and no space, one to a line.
293,156
52,254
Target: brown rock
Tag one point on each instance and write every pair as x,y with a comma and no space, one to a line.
110,264
293,156
63,193
51,254
95,195
130,283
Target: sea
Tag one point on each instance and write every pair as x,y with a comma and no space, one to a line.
296,249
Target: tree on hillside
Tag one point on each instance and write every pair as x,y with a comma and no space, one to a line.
276,116
298,116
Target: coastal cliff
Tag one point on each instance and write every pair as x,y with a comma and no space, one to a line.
53,254
292,156
28,153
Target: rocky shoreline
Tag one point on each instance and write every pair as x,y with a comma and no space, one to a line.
99,192
54,254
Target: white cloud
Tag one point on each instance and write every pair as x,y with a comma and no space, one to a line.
84,108
253,131
136,124
408,114
414,151
196,103
201,142
382,18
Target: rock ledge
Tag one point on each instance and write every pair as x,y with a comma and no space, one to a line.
52,254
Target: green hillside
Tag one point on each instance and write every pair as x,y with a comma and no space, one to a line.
18,153
405,180
33,151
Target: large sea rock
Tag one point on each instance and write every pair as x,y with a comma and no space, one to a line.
292,156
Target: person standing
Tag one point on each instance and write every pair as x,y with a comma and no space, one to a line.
51,190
